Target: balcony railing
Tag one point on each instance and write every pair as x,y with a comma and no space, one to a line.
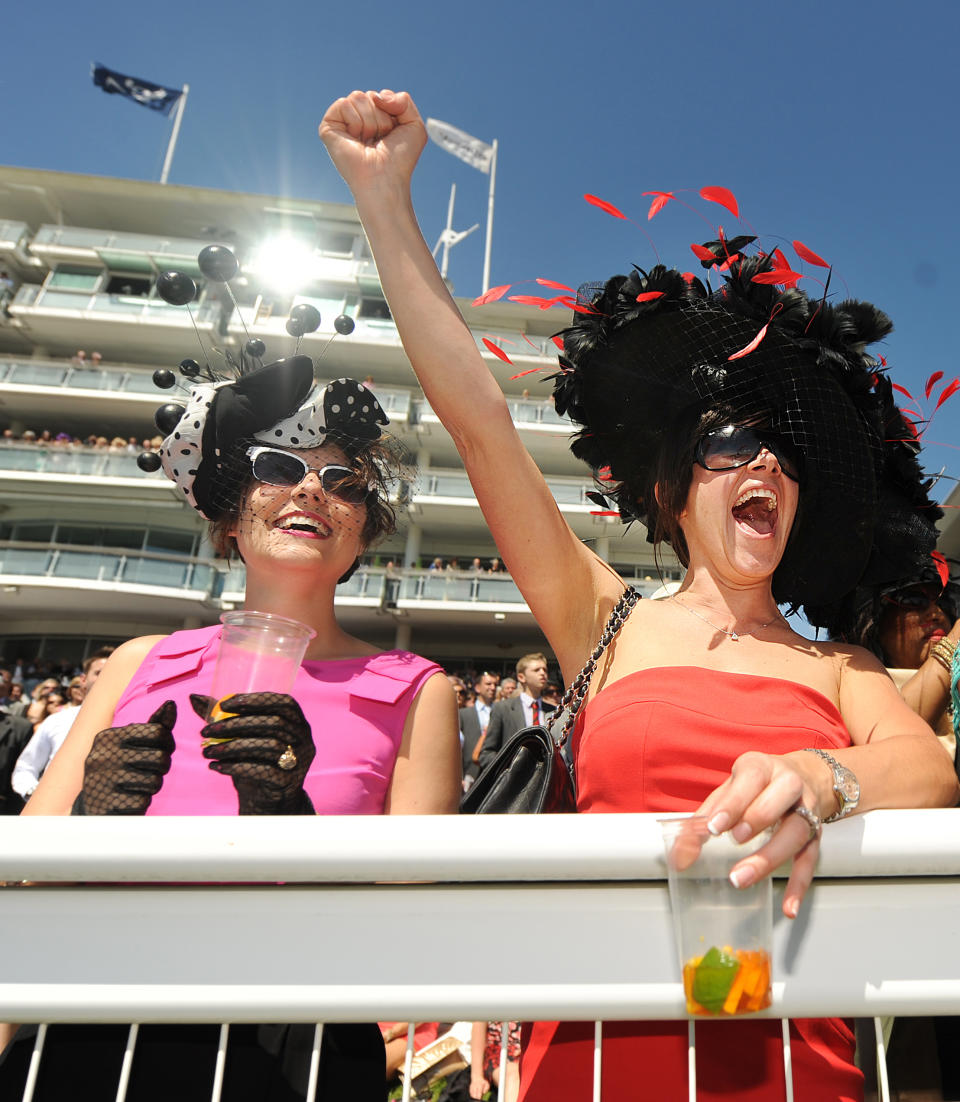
165,250
108,567
56,373
876,935
31,296
69,460
456,484
13,234
53,373
526,412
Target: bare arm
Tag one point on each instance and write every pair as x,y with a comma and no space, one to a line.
375,140
427,775
928,691
895,756
901,761
478,1044
62,782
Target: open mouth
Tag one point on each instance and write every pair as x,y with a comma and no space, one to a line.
303,525
757,510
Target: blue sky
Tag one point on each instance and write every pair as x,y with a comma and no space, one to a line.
832,123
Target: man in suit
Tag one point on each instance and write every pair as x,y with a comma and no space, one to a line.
474,720
15,732
524,709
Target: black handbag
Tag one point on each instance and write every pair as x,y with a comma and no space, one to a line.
529,774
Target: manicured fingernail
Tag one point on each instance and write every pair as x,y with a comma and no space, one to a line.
742,877
791,907
719,823
742,831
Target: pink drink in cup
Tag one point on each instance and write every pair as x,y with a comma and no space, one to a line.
259,652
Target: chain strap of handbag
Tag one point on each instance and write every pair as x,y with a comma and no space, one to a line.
573,697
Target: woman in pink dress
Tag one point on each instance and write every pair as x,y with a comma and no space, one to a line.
745,426
293,479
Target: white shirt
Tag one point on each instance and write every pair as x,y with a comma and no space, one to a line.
40,750
483,713
527,702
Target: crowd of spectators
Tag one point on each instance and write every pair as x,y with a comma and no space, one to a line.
39,701
47,438
477,566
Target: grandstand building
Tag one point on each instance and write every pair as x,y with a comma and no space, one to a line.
93,550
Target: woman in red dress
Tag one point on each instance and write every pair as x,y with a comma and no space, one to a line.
746,427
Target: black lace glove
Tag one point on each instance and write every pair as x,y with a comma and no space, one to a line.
267,750
126,765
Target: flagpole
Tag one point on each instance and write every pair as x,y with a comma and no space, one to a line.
493,187
172,145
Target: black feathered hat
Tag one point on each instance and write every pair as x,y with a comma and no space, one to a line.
650,351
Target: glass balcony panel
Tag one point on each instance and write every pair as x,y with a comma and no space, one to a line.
362,584
63,300
27,294
87,378
567,493
79,237
235,580
458,589
448,484
430,588
72,462
549,415
86,564
12,233
121,466
19,561
37,374
498,591
138,382
66,279
119,304
394,402
172,575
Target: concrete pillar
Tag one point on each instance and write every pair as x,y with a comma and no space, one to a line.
601,546
191,622
404,634
411,552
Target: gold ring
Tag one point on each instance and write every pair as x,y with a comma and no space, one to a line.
811,818
288,759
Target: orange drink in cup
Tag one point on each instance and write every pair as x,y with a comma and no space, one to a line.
724,934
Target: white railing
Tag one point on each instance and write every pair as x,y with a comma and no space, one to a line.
876,936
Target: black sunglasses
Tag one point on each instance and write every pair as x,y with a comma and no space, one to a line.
915,598
280,468
734,446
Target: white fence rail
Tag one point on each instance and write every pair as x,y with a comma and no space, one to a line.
120,921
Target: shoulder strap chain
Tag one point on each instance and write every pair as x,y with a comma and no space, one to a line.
573,697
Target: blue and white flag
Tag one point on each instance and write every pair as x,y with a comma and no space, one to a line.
145,92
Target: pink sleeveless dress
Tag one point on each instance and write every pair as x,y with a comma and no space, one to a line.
662,740
356,708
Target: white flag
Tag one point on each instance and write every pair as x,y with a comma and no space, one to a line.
476,153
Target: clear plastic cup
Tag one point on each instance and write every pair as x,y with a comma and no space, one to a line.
724,934
258,652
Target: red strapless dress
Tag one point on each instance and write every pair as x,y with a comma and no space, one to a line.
662,740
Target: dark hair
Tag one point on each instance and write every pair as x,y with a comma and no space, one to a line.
873,614
667,484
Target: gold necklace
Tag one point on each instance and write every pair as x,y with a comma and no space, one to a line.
734,635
